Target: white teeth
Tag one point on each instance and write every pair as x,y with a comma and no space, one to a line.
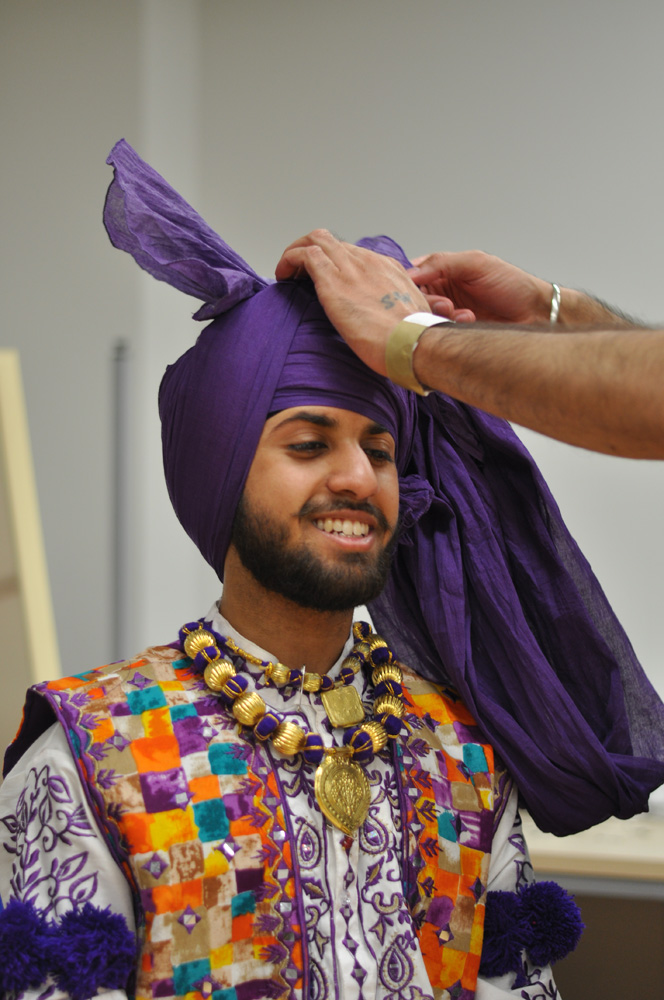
347,527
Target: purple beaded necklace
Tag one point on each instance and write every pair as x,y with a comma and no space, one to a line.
341,786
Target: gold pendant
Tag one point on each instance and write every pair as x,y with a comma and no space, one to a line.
342,792
343,706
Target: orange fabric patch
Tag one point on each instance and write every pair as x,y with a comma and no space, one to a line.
159,753
171,898
242,927
158,831
103,730
204,788
157,722
471,864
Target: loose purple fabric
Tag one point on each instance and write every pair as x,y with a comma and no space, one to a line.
487,590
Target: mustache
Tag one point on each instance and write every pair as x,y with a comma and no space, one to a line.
313,507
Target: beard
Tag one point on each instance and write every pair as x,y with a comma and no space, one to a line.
297,573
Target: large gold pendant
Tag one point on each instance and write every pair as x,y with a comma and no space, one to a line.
342,792
343,706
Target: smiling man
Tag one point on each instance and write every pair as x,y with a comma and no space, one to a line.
341,467
285,802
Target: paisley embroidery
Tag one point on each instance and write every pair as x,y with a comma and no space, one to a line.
396,968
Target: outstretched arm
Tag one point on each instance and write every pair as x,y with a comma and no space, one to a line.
600,388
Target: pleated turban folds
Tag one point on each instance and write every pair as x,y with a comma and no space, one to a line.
487,591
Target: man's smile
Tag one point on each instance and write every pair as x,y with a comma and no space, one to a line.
346,527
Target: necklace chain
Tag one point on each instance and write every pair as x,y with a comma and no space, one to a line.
341,787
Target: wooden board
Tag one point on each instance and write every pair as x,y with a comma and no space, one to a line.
29,645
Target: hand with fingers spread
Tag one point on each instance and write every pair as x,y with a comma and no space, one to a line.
364,294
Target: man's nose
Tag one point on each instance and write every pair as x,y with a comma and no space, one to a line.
353,473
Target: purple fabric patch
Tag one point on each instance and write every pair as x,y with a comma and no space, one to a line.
164,790
120,708
188,734
163,988
208,706
238,806
442,789
259,989
147,901
247,879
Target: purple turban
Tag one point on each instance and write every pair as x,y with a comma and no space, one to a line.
487,592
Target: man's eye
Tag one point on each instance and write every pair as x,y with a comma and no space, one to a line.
306,447
378,455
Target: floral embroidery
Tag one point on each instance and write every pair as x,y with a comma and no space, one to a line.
47,816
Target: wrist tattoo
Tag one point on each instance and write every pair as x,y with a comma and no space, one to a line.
391,298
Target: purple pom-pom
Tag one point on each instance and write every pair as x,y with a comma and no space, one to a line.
23,940
361,744
346,675
391,724
267,725
92,949
551,921
186,629
379,655
388,687
206,656
501,950
295,677
233,688
361,630
540,918
314,750
327,683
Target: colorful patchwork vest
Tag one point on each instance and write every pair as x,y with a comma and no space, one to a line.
194,816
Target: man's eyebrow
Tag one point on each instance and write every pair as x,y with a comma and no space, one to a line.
376,428
322,420
311,418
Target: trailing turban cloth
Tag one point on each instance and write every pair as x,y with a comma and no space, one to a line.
487,590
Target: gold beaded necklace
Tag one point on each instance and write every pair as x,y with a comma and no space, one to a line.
341,787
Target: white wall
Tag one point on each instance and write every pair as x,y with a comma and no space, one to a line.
525,130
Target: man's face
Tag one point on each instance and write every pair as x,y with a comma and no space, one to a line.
320,507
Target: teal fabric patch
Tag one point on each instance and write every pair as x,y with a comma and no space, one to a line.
87,675
447,826
184,976
244,902
229,994
180,711
143,701
181,664
211,819
474,758
223,759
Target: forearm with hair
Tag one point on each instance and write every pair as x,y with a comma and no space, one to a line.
582,311
598,389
